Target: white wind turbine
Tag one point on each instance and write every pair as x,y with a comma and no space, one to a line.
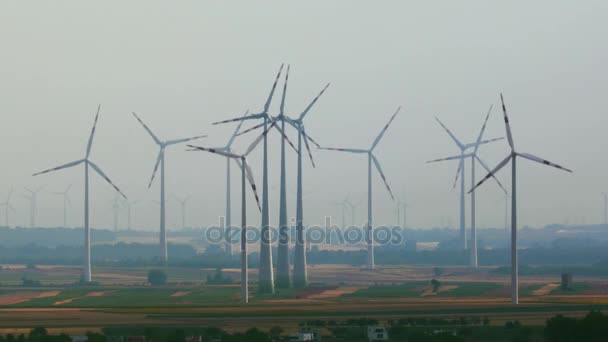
33,198
371,158
115,211
246,173
87,163
228,217
161,161
8,207
512,157
474,158
129,205
460,173
183,202
66,201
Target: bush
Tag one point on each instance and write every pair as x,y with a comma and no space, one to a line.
26,282
157,277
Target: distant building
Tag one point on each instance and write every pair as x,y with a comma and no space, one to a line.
305,335
377,333
194,339
78,338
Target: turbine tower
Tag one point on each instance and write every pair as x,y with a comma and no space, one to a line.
8,207
512,157
87,163
183,202
474,158
115,211
266,276
371,158
460,173
33,198
66,201
160,160
245,173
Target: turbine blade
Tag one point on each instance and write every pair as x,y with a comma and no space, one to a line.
303,131
156,140
274,86
507,124
483,142
450,134
74,163
259,138
384,129
90,143
282,109
251,129
350,150
377,163
179,141
250,179
160,155
485,166
542,161
103,175
460,156
241,118
493,172
460,166
236,131
483,128
286,138
312,103
212,150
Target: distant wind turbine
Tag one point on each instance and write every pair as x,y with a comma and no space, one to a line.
115,211
474,158
228,215
246,173
160,160
8,207
183,202
33,198
66,201
87,163
371,158
129,205
512,157
460,173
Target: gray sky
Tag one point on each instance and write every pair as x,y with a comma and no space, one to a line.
183,66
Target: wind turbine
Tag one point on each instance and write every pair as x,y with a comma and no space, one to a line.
8,207
182,204
245,173
129,205
33,198
474,158
371,158
228,217
66,201
87,163
161,161
266,276
460,173
115,209
343,206
283,280
512,157
401,208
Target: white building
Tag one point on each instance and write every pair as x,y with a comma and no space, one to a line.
377,333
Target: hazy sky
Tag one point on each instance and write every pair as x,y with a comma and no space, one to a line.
183,65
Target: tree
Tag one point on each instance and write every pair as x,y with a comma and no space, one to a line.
37,334
436,285
560,328
276,332
95,337
157,277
